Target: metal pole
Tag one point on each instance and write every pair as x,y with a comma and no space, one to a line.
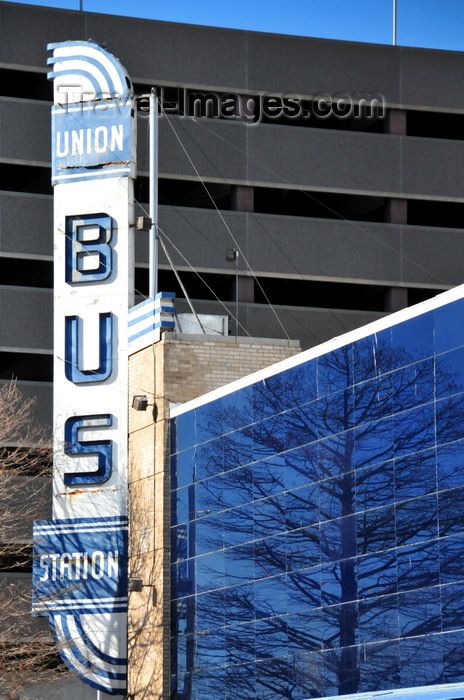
394,22
153,240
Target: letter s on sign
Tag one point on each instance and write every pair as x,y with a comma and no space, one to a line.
74,446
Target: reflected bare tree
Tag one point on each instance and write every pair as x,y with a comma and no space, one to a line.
335,468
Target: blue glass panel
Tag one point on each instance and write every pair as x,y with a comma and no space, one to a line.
271,597
241,681
377,574
237,524
418,566
452,606
341,671
301,466
270,556
451,559
230,412
185,431
302,506
337,420
413,385
181,544
184,473
208,571
271,637
304,589
450,373
375,530
237,487
209,459
415,474
184,651
373,443
238,448
181,579
451,511
210,684
453,658
413,340
449,327
269,438
307,674
304,631
373,399
414,430
450,419
293,387
339,624
268,477
338,539
419,612
269,515
449,465
239,603
240,643
210,648
272,680
338,582
416,520
374,486
372,356
335,371
182,615
210,609
337,496
378,618
335,457
379,666
421,661
208,498
239,564
208,533
303,548
180,501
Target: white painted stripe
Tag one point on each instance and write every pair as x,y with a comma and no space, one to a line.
78,666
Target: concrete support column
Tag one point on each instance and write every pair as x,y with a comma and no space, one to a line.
242,198
246,289
396,211
396,298
396,122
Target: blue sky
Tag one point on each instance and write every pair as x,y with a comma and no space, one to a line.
428,23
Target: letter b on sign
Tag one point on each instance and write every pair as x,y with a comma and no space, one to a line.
88,251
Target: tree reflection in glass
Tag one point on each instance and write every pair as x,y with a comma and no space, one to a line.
314,525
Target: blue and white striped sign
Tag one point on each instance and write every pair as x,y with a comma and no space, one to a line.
80,557
80,575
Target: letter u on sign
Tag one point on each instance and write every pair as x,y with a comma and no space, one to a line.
72,360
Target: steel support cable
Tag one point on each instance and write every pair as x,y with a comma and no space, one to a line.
210,289
226,225
352,223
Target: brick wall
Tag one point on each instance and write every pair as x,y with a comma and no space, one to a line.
175,370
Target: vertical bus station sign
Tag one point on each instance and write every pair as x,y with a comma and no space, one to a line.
80,557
